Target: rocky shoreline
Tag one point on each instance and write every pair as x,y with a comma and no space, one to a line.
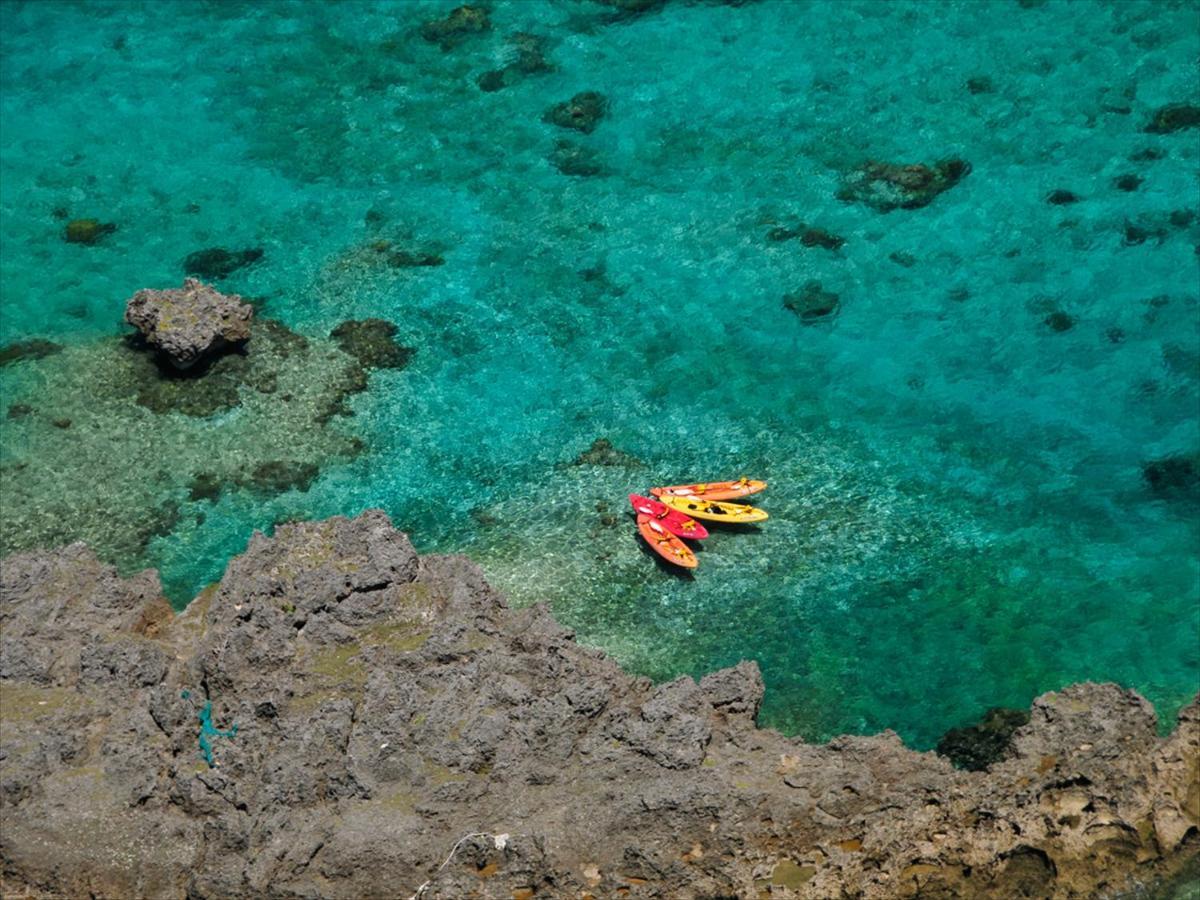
382,725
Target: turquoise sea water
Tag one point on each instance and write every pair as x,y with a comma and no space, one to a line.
959,513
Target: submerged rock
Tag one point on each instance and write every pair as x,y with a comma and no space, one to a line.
572,159
1156,226
377,706
980,84
1127,182
223,380
1174,476
633,7
976,747
458,25
34,348
583,112
1173,117
528,53
373,343
413,259
809,237
87,231
190,324
889,186
603,453
280,475
1059,321
1062,197
217,262
813,304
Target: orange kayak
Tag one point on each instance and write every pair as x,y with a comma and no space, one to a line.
665,544
712,490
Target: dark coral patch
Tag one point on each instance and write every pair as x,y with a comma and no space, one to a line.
217,262
373,343
1173,117
87,231
583,112
603,453
572,159
278,476
1062,197
813,304
35,348
1174,477
459,24
1059,321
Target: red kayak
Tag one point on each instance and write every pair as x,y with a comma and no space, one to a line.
665,544
674,521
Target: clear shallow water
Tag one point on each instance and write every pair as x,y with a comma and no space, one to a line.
959,514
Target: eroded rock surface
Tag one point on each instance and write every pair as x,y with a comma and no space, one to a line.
390,708
190,324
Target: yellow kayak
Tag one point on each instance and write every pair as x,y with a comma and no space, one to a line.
713,510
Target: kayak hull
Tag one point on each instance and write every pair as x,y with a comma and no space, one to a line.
665,544
715,510
674,521
712,490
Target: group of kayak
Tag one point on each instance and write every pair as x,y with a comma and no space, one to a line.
670,513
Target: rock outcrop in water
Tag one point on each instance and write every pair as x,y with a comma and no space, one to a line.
889,186
458,25
191,324
399,730
583,112
87,231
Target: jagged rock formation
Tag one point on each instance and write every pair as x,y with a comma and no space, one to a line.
190,324
390,708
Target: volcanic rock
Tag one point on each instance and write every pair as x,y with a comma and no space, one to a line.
189,324
390,727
